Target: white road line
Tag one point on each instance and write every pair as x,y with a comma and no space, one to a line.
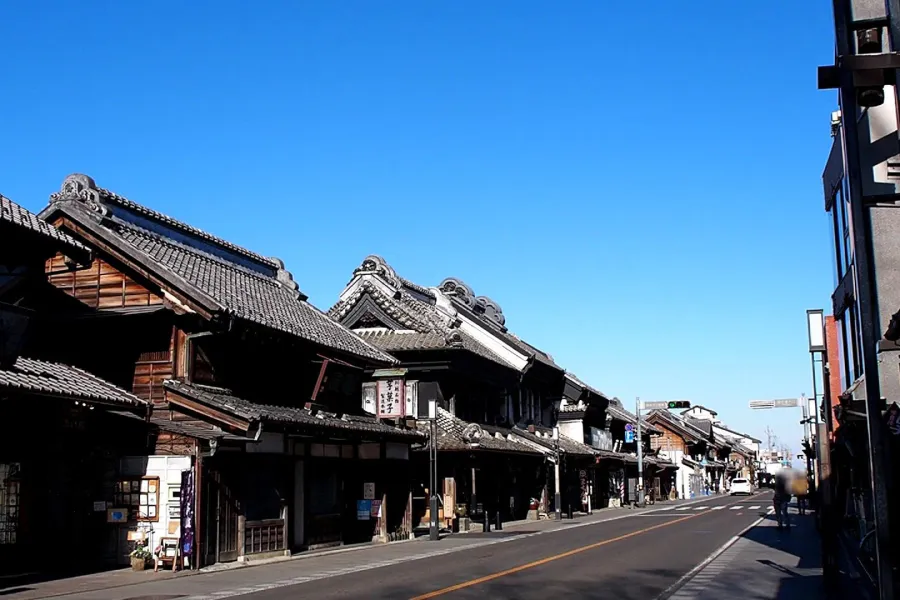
675,590
701,508
737,507
757,507
683,508
718,507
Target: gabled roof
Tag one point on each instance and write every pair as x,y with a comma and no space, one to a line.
616,411
410,311
43,378
217,276
737,433
16,216
489,314
678,425
701,407
579,382
302,417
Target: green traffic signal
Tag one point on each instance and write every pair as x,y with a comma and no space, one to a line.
679,404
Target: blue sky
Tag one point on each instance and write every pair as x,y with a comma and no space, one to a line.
638,188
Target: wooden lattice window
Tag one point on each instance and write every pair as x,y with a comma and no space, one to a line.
140,495
9,503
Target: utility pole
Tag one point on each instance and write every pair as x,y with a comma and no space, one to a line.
640,454
860,73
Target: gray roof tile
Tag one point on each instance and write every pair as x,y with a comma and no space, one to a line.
544,437
54,379
454,434
241,283
427,328
616,411
289,415
10,212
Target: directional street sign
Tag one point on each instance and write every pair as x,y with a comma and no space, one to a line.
629,437
779,403
654,405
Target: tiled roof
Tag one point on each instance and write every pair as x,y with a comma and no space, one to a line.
291,415
679,424
543,436
618,412
701,424
193,430
426,328
455,435
10,212
581,383
236,281
64,381
489,314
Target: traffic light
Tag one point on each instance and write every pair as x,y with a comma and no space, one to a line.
679,404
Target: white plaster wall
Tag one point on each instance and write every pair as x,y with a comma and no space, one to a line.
168,469
572,429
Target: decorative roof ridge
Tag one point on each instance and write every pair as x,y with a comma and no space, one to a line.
395,306
80,187
484,307
282,277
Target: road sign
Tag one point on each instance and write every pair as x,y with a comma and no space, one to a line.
779,403
654,405
629,437
629,427
665,405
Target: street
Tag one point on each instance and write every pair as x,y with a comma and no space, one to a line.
631,555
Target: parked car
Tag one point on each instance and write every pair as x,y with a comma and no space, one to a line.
741,486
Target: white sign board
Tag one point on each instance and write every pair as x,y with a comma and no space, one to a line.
390,398
368,491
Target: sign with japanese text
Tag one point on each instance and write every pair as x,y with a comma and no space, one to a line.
390,398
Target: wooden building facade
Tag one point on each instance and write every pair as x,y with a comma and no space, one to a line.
254,394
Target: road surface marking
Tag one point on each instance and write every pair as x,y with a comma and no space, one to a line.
690,575
718,507
757,507
736,507
701,508
684,508
544,561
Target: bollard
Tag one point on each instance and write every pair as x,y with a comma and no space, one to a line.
487,522
570,511
499,524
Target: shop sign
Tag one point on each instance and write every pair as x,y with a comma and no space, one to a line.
391,398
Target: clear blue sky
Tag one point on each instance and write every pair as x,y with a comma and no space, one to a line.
638,188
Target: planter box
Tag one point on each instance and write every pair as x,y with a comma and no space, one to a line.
138,564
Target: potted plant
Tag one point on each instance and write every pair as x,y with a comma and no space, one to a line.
139,558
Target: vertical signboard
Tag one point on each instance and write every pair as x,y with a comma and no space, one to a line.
390,398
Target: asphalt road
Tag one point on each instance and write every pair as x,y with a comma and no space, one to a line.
635,558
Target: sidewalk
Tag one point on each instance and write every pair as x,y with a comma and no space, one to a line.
307,566
763,564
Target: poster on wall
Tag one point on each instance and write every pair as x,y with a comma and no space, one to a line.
363,510
390,398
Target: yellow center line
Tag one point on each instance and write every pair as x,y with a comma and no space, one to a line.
543,561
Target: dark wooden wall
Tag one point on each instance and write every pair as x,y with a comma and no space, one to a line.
99,286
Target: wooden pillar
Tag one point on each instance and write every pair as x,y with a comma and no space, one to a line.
285,514
241,536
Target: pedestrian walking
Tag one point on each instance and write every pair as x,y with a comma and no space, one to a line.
800,489
782,498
